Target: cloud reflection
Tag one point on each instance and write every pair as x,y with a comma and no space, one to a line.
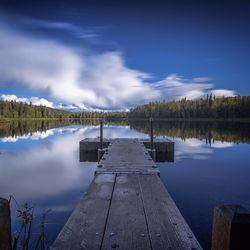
53,167
38,134
197,149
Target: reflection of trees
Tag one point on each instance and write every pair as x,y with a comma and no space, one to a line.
24,127
236,132
222,131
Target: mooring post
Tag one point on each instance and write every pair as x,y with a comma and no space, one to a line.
5,225
231,228
151,134
152,150
100,150
101,133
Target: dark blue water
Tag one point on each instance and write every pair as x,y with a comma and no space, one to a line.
43,169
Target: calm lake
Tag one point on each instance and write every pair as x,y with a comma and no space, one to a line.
39,164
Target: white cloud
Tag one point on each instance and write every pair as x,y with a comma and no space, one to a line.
85,79
221,144
223,92
175,87
34,100
78,31
93,80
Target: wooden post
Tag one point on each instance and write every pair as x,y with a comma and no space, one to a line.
231,228
5,225
151,134
100,151
101,133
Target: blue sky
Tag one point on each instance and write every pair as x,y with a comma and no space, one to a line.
118,54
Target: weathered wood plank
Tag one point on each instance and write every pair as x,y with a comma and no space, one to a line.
126,226
85,227
127,150
164,148
128,155
127,206
167,227
126,170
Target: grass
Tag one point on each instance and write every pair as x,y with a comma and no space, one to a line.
24,238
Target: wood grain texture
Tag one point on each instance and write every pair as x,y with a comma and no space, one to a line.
167,227
85,227
126,226
126,206
127,155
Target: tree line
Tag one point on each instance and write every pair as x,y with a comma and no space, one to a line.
20,110
209,107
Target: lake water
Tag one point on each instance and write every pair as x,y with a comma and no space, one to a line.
39,164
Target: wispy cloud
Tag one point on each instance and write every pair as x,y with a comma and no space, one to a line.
34,100
87,79
99,80
80,32
175,87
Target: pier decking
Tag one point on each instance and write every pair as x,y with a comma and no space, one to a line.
126,206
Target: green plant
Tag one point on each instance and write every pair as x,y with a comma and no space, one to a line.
24,238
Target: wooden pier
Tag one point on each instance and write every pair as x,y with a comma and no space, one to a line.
126,205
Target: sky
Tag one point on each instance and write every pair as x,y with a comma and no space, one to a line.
115,55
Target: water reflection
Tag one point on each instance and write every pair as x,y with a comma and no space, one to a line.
210,131
211,167
43,168
35,169
235,132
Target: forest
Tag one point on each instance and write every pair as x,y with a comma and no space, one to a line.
209,107
20,110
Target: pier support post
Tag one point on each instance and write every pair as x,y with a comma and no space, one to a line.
101,133
5,225
151,134
152,150
101,150
231,228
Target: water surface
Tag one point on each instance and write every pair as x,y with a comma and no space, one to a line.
39,164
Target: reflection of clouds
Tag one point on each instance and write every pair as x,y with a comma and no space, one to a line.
219,144
197,149
192,148
38,134
51,168
44,170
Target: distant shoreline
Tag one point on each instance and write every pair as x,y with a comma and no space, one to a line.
6,120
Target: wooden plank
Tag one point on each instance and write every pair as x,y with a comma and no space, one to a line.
167,227
128,154
126,206
127,150
127,171
164,148
85,227
126,226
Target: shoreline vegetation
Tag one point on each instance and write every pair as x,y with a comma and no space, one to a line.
209,109
224,119
247,120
